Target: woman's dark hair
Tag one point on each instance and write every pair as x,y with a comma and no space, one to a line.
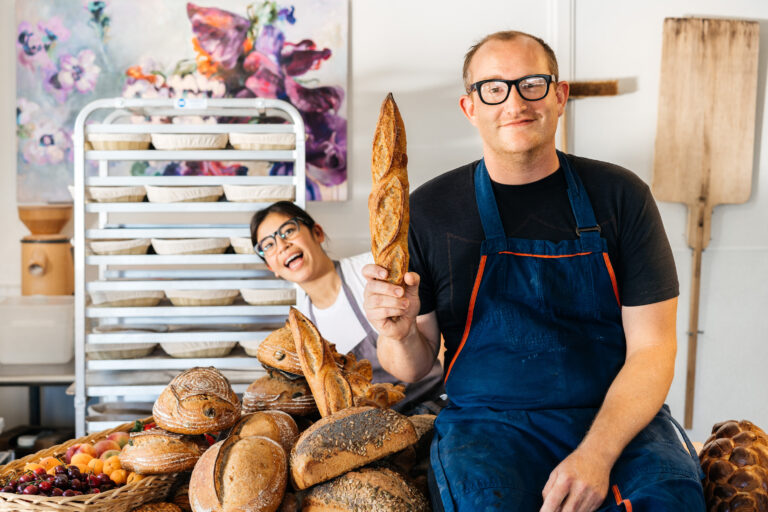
284,207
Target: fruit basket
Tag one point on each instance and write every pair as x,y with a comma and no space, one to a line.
119,499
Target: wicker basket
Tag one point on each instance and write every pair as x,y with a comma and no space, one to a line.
120,499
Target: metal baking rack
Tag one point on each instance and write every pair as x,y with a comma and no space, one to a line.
142,377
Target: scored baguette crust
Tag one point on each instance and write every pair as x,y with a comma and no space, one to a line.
197,401
347,440
239,474
368,489
274,392
329,387
388,202
157,452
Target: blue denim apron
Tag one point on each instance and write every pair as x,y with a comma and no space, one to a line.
542,344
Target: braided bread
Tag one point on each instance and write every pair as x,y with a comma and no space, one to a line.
735,464
388,202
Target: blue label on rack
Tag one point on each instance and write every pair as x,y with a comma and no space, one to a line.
191,103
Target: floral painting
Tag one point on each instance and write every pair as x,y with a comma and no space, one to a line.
71,53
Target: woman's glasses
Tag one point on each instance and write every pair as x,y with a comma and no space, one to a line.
287,230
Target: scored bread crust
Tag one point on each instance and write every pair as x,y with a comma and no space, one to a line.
366,489
274,392
329,387
276,425
248,473
277,350
388,202
157,452
347,440
197,401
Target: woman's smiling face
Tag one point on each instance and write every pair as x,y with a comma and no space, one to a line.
297,259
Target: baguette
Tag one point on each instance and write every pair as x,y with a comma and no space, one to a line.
369,489
347,440
388,202
330,389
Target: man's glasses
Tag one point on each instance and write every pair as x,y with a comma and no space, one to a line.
496,91
287,230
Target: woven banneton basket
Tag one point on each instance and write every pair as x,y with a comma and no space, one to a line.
120,499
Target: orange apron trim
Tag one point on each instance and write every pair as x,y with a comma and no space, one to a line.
613,277
619,501
475,288
546,255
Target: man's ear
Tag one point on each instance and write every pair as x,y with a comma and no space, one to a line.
467,105
561,91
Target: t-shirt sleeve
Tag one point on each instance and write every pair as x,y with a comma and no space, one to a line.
646,272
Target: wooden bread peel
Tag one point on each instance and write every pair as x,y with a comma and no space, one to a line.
705,135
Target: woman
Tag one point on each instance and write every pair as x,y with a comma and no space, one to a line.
331,292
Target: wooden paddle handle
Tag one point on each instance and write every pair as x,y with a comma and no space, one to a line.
700,216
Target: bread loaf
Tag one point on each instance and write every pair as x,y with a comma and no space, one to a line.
279,351
329,387
239,474
388,202
347,440
366,490
157,507
197,401
735,464
156,451
276,425
275,392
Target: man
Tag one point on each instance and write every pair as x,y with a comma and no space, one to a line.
553,283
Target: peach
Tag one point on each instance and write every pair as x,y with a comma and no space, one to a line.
81,458
87,448
105,445
70,452
109,454
121,438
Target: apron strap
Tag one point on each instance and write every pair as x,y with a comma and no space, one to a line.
691,450
364,323
586,223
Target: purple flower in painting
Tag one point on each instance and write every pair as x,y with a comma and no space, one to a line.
326,148
30,46
266,80
270,42
318,99
220,33
297,59
48,144
287,15
26,111
52,31
75,72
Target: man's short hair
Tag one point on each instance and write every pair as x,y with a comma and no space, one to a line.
508,35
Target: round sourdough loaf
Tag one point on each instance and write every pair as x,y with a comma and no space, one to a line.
239,474
346,440
276,425
157,451
278,350
197,401
275,392
368,489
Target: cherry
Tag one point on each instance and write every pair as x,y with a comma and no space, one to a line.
106,487
40,471
93,481
77,493
73,472
56,492
31,489
26,478
95,490
20,488
104,478
8,488
68,492
45,486
61,481
75,484
60,470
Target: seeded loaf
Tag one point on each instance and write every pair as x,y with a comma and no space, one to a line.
197,401
275,392
239,474
276,425
157,451
388,202
330,389
347,440
366,490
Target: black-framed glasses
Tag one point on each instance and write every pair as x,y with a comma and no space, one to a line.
287,230
496,90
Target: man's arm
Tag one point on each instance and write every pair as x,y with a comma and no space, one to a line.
408,342
580,482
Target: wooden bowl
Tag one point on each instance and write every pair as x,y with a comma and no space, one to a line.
45,219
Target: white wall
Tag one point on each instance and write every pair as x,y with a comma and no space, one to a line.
415,50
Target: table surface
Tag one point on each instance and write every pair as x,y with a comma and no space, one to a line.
42,374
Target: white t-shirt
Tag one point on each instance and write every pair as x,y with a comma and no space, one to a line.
338,323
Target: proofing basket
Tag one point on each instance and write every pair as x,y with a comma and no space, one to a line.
120,499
